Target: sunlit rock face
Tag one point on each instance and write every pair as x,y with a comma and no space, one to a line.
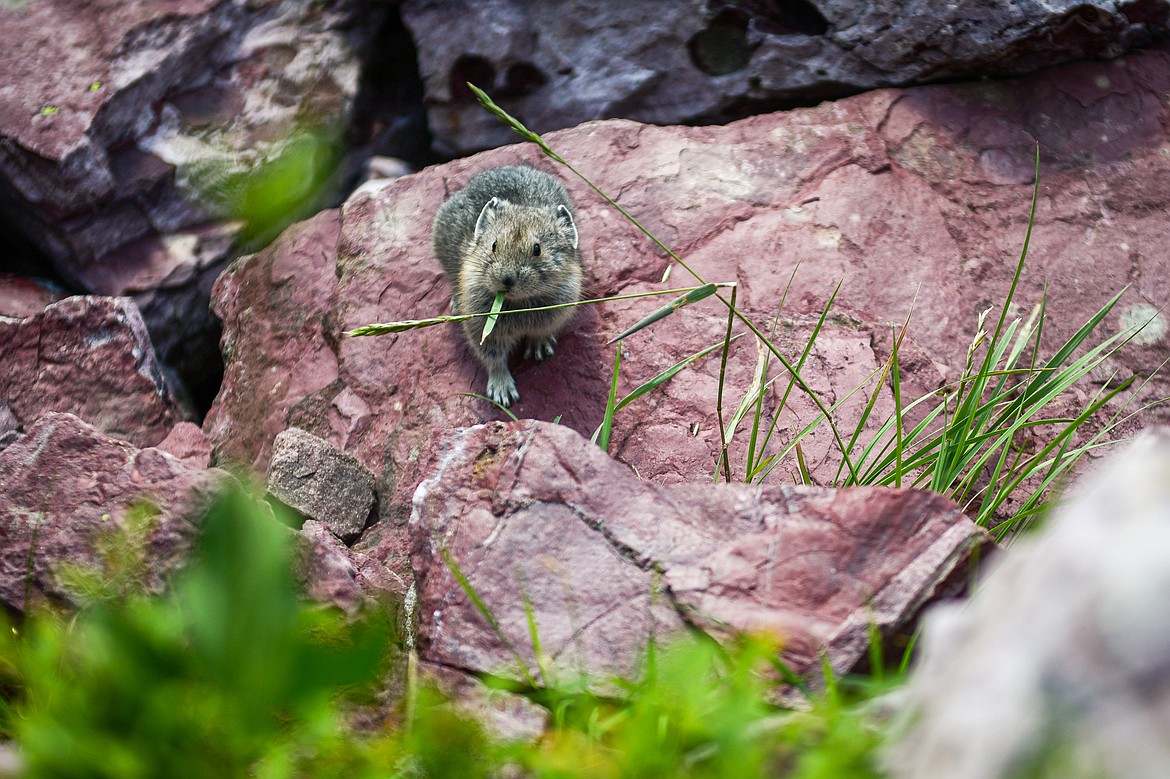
128,130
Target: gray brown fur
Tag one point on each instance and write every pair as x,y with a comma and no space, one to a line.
485,237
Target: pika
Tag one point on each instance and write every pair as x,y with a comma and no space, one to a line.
510,230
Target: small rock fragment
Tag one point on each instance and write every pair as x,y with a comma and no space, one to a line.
312,477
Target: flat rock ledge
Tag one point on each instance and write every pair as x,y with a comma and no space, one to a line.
533,512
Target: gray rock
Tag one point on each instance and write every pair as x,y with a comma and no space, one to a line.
1060,664
556,65
321,482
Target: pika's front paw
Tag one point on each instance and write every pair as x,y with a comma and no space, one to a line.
501,388
540,348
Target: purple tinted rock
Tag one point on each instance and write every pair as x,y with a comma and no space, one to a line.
278,345
24,297
533,513
671,62
187,442
65,485
326,570
122,120
91,357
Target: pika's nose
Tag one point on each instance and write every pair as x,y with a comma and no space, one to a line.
509,281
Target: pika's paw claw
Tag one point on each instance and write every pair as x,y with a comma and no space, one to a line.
502,390
540,348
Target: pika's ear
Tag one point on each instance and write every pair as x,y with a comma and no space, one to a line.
565,220
489,212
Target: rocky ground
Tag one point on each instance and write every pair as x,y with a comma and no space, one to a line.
137,304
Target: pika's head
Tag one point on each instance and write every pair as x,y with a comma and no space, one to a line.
525,252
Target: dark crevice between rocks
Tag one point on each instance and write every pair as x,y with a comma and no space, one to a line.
625,552
389,114
21,257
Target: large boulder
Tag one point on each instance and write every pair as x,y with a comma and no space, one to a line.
1067,639
667,62
88,356
536,519
912,199
120,121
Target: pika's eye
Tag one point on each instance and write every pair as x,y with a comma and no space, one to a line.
535,250
493,247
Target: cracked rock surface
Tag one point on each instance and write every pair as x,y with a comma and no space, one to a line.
534,512
555,65
89,356
67,486
321,483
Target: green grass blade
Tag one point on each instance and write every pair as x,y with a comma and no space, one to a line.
610,404
668,374
385,328
723,437
753,397
794,374
511,121
534,636
484,611
493,315
696,294
859,428
504,409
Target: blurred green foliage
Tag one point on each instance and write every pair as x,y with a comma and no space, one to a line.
232,673
270,187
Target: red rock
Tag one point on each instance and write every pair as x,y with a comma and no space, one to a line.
115,114
91,357
187,442
533,513
65,484
281,298
326,571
